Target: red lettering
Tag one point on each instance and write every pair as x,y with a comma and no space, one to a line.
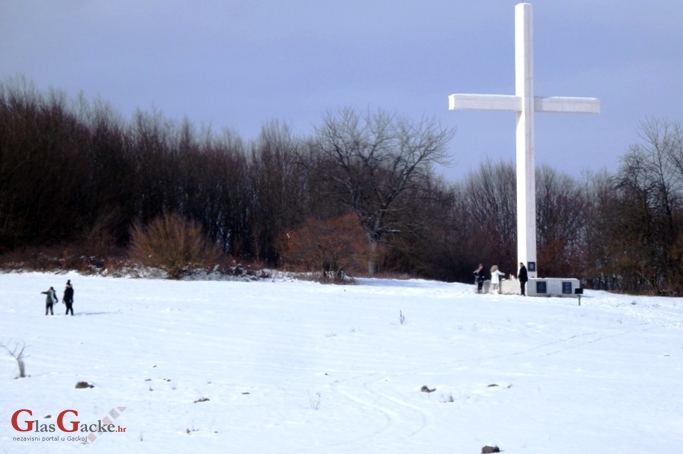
29,424
60,421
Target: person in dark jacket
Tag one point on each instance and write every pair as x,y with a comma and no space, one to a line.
68,298
523,277
479,277
50,300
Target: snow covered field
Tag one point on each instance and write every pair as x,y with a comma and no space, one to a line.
298,367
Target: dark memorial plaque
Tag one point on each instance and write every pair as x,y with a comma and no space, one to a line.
541,287
567,288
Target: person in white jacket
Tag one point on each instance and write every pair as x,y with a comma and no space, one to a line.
495,279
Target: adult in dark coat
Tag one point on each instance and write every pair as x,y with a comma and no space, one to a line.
479,277
523,277
68,298
50,300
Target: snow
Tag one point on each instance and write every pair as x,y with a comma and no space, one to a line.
298,367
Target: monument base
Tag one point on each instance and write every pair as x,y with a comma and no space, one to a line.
553,286
550,286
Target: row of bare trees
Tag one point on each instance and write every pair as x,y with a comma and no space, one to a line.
359,193
635,236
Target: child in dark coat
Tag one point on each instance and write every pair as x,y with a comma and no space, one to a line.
50,300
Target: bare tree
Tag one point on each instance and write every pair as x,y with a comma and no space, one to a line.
600,201
18,354
649,214
559,221
371,160
278,191
437,232
491,203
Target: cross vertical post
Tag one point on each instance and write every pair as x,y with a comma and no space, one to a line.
525,104
526,174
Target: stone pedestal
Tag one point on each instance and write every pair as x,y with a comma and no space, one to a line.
510,287
507,287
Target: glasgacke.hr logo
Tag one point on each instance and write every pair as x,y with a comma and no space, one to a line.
77,430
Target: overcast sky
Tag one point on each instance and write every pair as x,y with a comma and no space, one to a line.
239,64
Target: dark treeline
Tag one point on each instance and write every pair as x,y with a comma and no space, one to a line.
358,193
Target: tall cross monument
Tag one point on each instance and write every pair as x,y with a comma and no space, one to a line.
525,104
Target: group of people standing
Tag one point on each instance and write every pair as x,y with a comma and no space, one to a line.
496,274
67,299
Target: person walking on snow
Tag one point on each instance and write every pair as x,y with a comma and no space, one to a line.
495,279
50,300
68,298
523,277
479,276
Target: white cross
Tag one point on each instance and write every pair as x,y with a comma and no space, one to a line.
525,104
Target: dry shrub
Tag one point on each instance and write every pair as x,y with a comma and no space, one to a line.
57,258
331,246
173,244
33,259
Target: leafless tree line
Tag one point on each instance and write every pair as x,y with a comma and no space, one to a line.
74,172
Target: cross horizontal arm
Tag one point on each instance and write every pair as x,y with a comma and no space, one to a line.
485,102
514,103
568,105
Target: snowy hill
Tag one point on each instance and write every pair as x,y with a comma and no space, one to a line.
298,367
